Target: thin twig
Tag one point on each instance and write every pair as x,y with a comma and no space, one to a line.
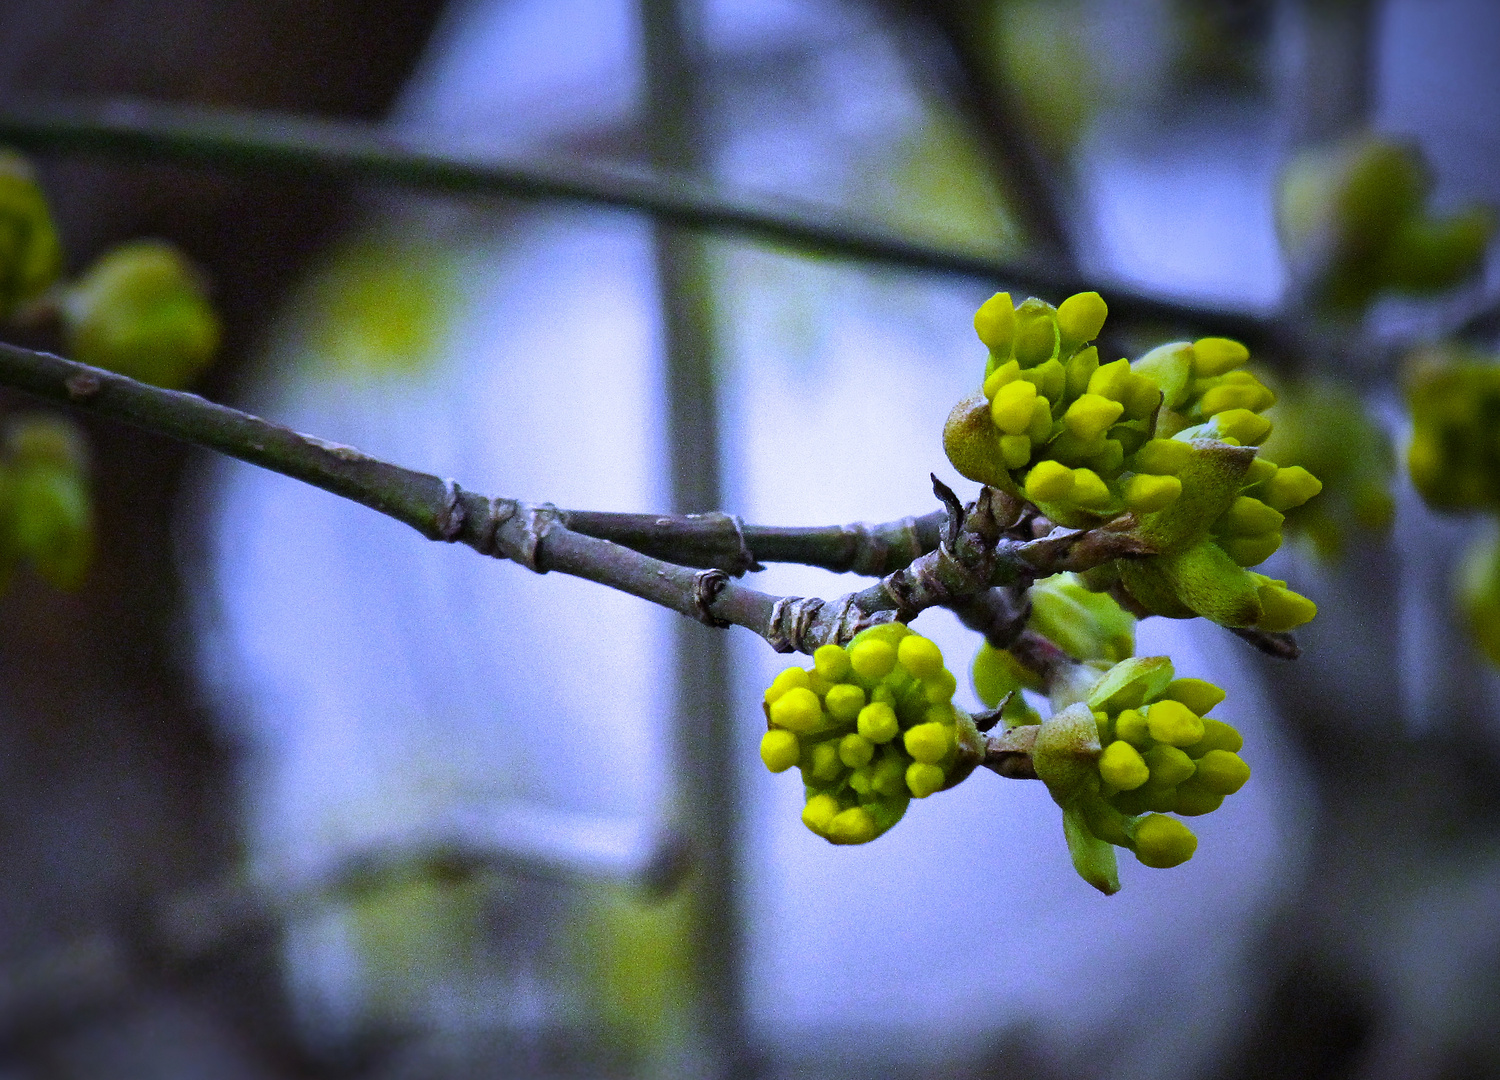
306,147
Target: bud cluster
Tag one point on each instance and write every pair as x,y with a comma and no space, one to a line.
1165,440
1454,456
30,254
1139,748
870,727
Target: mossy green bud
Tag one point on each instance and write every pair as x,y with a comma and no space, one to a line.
1131,683
1036,333
797,710
822,761
1222,772
1173,723
1122,767
30,254
1217,735
1081,316
1195,800
780,750
1162,842
888,775
1170,368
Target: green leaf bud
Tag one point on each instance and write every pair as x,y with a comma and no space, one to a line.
1131,683
845,701
853,826
832,662
1066,752
1080,317
30,254
1145,493
1217,355
819,812
1173,723
1195,800
1217,735
780,750
1169,766
793,678
797,710
872,658
1170,367
1199,695
1242,425
1049,481
1162,842
929,743
877,722
1162,457
142,310
1248,516
1122,767
1290,487
1093,858
995,323
923,779
920,657
1012,406
855,750
1222,772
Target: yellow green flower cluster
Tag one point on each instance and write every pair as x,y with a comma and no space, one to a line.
46,514
870,727
1139,748
30,254
1454,455
1166,439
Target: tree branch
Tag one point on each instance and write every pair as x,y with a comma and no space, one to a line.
541,538
305,147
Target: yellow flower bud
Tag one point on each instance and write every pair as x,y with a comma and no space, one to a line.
797,710
791,679
923,779
1011,407
1242,425
845,701
819,813
1195,800
832,662
995,323
1049,481
1121,766
1290,487
1091,416
1217,735
873,658
1006,373
1112,381
877,722
853,826
1169,766
919,656
929,743
1015,450
1173,723
1248,517
1145,493
1080,369
1217,355
1089,491
1199,695
1222,772
822,761
1163,842
1283,609
1252,550
1162,457
1041,420
1081,316
780,750
939,689
1236,395
888,777
855,750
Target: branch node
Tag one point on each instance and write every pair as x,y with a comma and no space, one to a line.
707,584
450,519
745,561
791,619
